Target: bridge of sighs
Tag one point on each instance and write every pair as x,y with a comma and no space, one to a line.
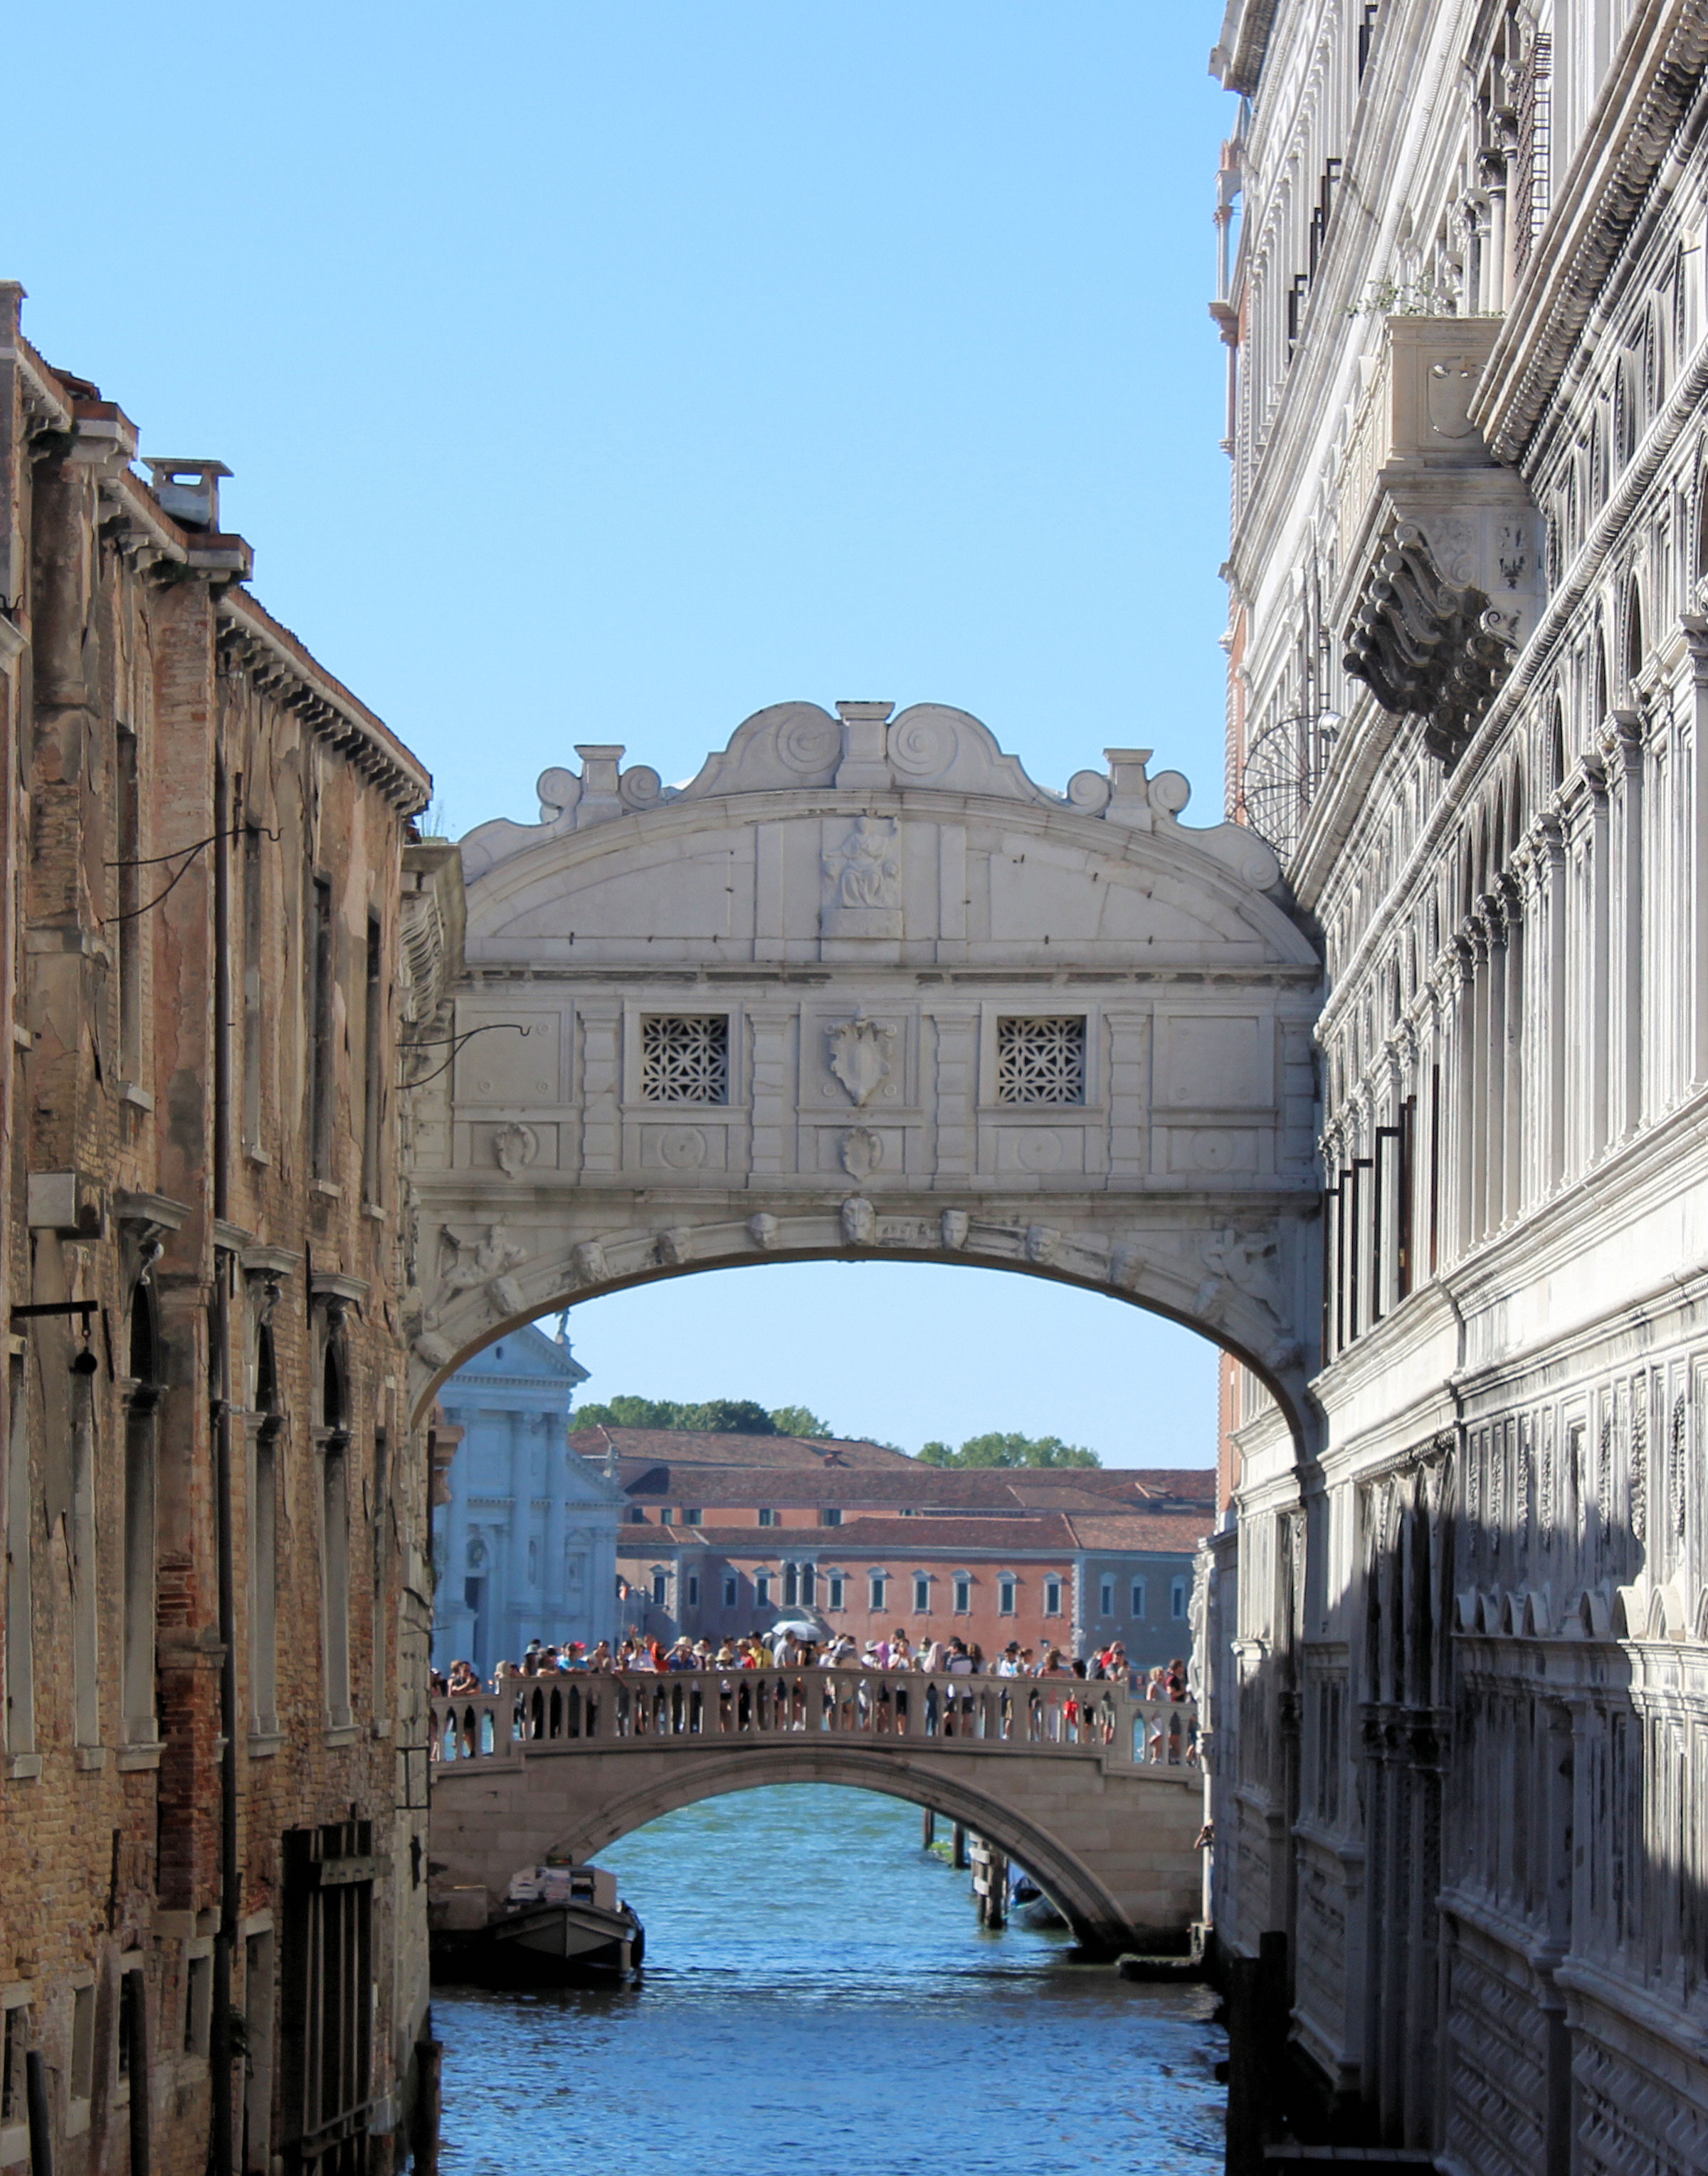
861,988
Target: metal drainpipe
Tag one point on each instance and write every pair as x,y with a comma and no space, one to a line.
230,1873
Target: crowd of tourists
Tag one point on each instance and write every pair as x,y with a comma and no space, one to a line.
787,1650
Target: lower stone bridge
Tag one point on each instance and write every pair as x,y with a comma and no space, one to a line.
1095,1791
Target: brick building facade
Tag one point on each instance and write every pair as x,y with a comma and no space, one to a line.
725,1533
215,1620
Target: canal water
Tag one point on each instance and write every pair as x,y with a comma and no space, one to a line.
818,1999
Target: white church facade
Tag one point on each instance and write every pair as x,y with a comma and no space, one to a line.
526,1547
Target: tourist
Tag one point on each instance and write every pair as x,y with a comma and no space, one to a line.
978,1661
600,1659
1009,1665
787,1653
463,1679
901,1654
681,1655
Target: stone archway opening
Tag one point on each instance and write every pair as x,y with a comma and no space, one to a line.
1077,1891
577,1297
861,988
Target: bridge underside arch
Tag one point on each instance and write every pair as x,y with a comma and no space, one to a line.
1215,1309
1081,1838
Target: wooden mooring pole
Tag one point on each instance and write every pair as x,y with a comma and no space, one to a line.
990,1882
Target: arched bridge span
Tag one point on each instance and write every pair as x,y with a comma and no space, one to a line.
861,988
1095,1791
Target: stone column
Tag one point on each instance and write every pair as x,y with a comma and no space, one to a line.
520,1605
1622,749
1693,758
554,1599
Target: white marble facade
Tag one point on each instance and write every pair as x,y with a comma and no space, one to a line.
1457,1645
527,1545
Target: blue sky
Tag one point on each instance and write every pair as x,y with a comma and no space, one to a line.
606,372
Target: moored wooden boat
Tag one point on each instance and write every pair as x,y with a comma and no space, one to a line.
558,1927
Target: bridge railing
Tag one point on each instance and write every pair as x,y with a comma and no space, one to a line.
1071,1716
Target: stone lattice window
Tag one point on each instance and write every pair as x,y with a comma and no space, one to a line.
685,1057
1041,1060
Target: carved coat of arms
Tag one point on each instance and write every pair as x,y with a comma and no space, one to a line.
860,1056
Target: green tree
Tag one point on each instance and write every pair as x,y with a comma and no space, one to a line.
716,1416
999,1449
798,1420
629,1413
729,1417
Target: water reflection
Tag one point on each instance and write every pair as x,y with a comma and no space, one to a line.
817,1997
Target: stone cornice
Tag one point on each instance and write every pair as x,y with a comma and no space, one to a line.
1613,171
1237,60
1344,796
274,658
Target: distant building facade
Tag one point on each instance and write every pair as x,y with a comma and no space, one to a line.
526,1547
213,1620
725,1533
1458,1645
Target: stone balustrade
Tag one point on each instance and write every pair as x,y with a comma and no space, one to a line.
1068,1717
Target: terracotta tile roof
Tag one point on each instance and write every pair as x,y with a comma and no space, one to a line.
1172,1533
989,1489
699,1447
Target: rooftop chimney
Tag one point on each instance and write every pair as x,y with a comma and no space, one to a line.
190,492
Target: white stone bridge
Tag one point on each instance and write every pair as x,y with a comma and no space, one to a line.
1095,1791
862,989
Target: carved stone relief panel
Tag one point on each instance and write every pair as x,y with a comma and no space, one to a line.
862,877
680,1149
858,1058
1035,1151
862,1150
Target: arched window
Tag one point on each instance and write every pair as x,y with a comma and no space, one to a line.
333,1407
1700,567
1634,631
263,1549
141,1537
1625,416
1599,704
334,1520
1555,747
